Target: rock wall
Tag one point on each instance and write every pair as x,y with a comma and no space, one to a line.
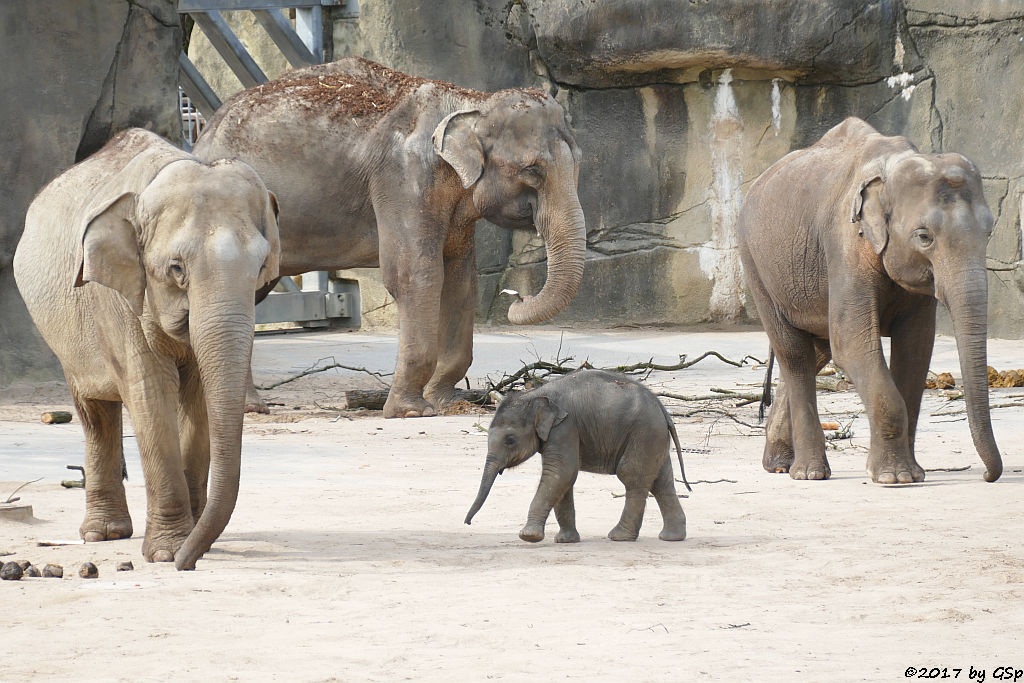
679,105
74,73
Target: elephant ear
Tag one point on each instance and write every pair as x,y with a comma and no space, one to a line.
456,141
270,231
110,250
870,213
546,416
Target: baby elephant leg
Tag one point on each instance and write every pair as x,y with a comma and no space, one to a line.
664,490
638,484
565,513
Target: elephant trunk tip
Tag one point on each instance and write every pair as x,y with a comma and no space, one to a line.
991,473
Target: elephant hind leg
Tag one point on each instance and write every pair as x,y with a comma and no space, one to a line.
106,508
565,513
778,447
672,516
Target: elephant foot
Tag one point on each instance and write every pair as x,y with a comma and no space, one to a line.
96,528
160,545
254,403
439,396
777,458
567,536
812,468
673,532
397,406
621,533
890,470
533,533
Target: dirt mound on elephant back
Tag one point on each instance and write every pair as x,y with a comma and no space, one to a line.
369,90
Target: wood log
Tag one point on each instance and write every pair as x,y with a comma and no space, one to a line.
832,383
56,417
374,399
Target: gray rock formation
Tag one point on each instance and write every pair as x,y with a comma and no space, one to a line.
74,73
679,105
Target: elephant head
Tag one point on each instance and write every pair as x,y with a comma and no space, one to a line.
925,215
519,429
187,251
516,155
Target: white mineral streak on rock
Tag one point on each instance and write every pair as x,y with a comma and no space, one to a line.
902,81
899,54
776,106
720,258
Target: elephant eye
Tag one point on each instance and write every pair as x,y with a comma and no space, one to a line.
533,173
177,271
510,440
923,237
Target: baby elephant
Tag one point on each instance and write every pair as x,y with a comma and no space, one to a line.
596,421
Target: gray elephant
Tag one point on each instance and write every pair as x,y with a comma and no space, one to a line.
596,421
850,240
138,266
375,168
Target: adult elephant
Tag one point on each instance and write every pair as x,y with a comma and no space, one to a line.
376,168
138,266
850,240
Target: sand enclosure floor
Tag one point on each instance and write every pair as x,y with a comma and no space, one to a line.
347,559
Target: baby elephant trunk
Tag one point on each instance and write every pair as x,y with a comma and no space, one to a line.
490,473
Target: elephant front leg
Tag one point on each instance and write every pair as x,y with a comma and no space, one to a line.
913,337
455,343
889,459
558,473
413,274
106,509
194,435
153,405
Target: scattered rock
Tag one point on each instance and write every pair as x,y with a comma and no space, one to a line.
11,571
53,571
24,564
125,566
32,571
89,571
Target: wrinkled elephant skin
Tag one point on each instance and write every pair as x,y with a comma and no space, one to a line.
375,168
850,240
596,421
138,266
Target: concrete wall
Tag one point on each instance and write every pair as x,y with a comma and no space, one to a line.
74,72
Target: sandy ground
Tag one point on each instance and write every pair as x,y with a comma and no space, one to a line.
347,558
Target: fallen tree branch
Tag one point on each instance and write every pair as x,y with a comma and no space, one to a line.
715,411
374,399
317,368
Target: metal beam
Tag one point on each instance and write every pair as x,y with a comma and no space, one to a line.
186,6
309,24
195,86
286,39
230,48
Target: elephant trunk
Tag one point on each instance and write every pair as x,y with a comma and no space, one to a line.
222,341
559,220
965,296
490,473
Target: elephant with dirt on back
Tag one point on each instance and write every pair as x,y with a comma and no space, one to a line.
375,168
139,266
850,240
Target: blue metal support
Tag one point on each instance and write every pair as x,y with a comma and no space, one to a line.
286,39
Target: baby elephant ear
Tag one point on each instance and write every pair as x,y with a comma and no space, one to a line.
547,415
110,250
456,141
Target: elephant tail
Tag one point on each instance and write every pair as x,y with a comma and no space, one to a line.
679,450
766,393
